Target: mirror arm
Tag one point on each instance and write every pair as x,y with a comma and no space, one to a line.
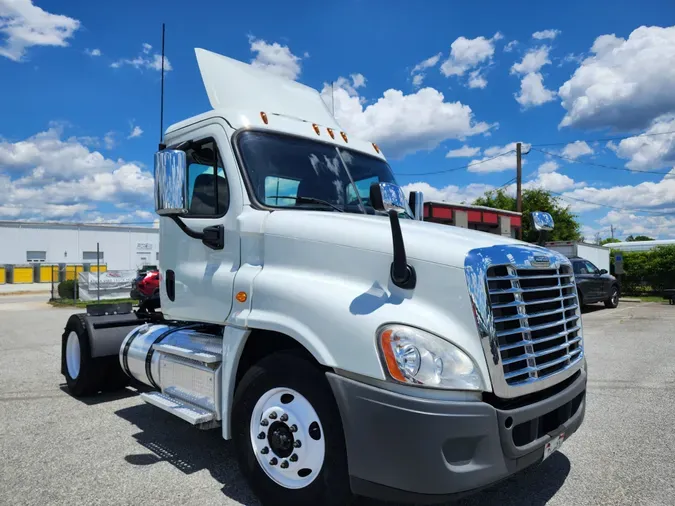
213,237
402,274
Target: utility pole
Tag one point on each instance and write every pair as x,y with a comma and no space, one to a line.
519,181
611,227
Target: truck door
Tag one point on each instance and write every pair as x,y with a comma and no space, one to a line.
201,276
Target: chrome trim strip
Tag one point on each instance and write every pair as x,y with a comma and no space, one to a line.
503,291
520,257
530,328
535,315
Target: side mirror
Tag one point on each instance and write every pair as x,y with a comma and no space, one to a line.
603,271
171,187
416,203
387,197
542,221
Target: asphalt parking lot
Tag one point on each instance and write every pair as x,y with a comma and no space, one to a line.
55,449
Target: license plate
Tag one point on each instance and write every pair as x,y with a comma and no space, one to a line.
553,445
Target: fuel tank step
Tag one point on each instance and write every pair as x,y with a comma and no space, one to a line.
180,408
203,356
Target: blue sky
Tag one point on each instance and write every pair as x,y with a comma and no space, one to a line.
430,83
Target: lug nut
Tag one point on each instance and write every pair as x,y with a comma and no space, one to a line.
265,451
283,417
294,428
274,461
264,422
261,435
293,458
273,415
284,464
297,443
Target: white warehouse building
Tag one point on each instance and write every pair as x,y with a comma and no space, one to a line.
121,247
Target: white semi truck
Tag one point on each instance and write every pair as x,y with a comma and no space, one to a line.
344,345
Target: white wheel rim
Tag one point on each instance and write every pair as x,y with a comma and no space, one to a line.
293,462
73,355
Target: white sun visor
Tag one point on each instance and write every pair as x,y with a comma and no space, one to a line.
232,84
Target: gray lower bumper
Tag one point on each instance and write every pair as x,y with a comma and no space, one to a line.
420,450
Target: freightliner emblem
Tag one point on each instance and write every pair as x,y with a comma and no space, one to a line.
541,261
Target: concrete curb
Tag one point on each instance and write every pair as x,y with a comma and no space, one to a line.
629,299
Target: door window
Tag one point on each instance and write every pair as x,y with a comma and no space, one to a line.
592,269
580,268
208,190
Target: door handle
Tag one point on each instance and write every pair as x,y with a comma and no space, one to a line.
214,237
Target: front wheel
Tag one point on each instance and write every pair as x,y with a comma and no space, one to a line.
288,434
613,300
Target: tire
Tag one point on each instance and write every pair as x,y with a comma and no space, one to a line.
613,300
278,375
86,376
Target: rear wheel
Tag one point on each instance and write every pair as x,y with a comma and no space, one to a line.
288,434
613,300
84,374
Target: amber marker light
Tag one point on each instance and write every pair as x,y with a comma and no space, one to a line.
330,132
241,296
344,136
316,128
377,149
264,117
388,349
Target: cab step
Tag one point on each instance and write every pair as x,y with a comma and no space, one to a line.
180,408
203,356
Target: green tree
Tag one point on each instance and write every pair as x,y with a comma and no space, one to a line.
566,225
609,240
631,238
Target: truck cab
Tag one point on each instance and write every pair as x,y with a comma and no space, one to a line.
346,346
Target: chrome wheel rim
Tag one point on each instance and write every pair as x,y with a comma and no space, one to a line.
73,355
615,297
287,438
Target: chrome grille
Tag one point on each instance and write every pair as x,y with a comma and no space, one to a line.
536,320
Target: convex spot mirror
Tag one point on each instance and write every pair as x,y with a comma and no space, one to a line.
542,221
171,187
388,196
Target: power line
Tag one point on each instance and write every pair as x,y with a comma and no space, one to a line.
606,139
573,160
657,213
455,168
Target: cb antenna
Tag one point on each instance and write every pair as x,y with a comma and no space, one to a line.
161,101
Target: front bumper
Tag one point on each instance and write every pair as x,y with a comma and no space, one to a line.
419,450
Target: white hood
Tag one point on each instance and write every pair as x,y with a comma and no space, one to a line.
235,85
431,242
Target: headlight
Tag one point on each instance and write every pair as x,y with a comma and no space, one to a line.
419,358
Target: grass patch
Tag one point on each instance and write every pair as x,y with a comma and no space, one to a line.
84,303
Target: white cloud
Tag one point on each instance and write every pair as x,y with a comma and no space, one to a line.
401,124
93,52
275,58
510,46
532,89
576,149
136,131
625,83
533,61
626,223
553,181
476,80
145,60
24,25
463,152
547,167
533,92
451,193
109,140
492,162
546,34
418,73
650,152
469,54
45,176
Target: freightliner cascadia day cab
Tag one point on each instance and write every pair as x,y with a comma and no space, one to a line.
346,346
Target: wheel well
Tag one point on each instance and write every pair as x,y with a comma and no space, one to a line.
265,342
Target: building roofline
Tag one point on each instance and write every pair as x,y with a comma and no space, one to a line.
76,225
471,206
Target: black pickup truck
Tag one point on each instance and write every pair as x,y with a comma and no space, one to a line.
595,285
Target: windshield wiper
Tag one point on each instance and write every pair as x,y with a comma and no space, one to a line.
312,200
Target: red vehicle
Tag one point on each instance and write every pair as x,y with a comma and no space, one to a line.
146,285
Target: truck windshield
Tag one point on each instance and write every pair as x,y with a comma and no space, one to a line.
292,172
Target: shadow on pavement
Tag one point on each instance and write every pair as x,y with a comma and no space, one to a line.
532,487
169,439
105,396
